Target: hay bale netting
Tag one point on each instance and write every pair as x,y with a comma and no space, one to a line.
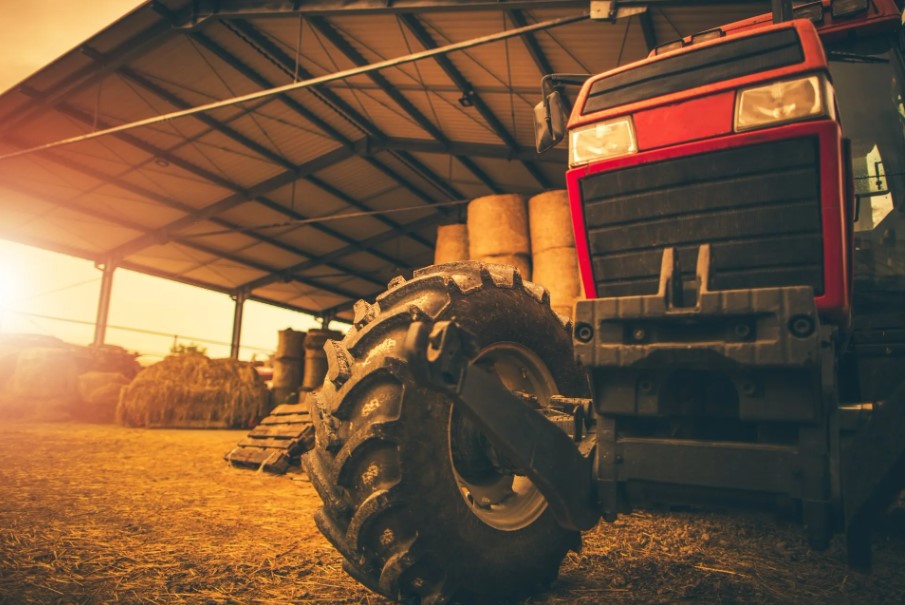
315,358
452,244
550,221
194,391
497,226
556,269
43,385
288,363
99,393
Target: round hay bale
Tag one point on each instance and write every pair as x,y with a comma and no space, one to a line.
100,393
290,343
43,385
522,262
288,364
550,221
112,358
497,225
316,358
452,244
194,391
556,269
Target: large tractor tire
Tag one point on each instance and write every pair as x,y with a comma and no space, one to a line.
415,498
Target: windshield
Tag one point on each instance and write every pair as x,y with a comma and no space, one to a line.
868,77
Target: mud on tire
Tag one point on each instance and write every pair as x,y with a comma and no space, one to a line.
402,476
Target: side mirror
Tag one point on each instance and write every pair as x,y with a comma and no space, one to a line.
549,122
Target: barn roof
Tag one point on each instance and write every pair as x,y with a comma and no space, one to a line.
312,198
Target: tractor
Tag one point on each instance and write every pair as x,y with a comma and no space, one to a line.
738,203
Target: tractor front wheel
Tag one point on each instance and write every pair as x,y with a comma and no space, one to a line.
416,499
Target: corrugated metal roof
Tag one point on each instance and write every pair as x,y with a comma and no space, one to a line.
215,199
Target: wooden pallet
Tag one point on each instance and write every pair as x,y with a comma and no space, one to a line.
277,443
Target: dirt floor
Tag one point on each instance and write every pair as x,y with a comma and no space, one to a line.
102,514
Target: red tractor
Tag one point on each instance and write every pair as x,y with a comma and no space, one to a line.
737,199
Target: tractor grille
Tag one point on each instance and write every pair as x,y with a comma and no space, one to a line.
758,206
697,68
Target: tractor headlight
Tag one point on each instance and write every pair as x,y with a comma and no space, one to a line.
783,101
602,140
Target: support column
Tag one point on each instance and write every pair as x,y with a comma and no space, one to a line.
240,299
103,303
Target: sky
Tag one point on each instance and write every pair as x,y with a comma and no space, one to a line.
48,293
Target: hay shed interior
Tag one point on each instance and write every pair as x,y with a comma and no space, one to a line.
248,199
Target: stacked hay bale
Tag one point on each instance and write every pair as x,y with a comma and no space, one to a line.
194,391
315,358
498,231
553,256
287,365
452,244
99,395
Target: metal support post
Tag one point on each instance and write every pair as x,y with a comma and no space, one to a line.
103,303
782,11
240,298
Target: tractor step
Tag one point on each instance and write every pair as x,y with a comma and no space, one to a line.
277,443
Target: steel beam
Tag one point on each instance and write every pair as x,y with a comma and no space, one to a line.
337,254
336,39
266,153
537,55
478,150
206,9
261,43
80,79
15,236
239,197
163,234
103,303
420,32
236,339
191,244
647,29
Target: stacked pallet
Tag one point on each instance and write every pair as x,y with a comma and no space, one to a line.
277,443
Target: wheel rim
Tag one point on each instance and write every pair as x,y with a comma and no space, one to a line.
495,494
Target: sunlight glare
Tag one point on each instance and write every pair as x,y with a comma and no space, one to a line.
11,289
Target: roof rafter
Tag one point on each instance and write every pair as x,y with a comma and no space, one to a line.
648,30
417,28
328,31
361,150
194,245
275,158
89,75
337,254
164,234
537,55
239,196
261,43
